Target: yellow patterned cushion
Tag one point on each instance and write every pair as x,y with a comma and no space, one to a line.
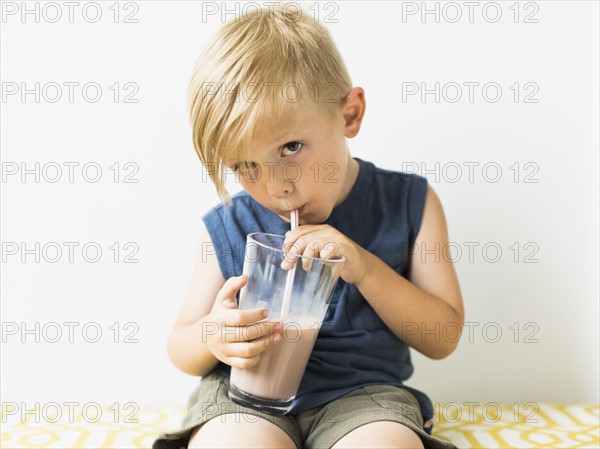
529,425
519,425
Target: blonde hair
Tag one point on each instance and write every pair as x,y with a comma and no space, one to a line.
254,69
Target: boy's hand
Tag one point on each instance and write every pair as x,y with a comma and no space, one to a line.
325,242
236,337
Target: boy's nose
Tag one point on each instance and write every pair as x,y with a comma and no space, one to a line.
279,187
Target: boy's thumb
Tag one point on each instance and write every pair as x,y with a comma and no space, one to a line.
232,286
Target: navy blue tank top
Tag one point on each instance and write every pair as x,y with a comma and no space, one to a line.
354,348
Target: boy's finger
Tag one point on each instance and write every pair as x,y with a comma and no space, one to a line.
230,303
290,251
286,264
241,362
259,330
299,232
233,334
237,317
312,250
290,255
307,263
251,349
329,252
231,287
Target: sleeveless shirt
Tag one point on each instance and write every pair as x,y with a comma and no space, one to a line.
382,213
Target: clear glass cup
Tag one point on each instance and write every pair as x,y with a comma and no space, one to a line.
272,384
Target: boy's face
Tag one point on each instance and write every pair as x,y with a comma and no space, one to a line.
302,163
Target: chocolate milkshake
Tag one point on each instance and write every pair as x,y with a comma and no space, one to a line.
278,373
299,298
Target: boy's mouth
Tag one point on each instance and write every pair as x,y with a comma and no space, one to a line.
288,214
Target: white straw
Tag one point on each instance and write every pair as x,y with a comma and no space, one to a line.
287,293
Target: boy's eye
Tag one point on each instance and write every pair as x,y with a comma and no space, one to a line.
243,166
290,148
247,169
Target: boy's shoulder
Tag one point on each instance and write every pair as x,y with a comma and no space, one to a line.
240,197
389,175
242,211
239,201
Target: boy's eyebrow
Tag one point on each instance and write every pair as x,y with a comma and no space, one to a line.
231,161
286,136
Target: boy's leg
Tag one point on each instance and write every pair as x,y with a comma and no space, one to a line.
380,434
234,430
374,416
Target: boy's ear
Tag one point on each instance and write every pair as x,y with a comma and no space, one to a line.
353,111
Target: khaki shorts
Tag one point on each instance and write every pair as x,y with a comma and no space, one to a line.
320,427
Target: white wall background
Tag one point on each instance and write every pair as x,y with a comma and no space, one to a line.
553,301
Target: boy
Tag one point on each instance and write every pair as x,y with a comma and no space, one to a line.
271,100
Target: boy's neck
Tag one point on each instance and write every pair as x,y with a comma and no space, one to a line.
351,176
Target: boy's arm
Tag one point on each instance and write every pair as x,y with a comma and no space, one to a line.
427,311
210,327
186,347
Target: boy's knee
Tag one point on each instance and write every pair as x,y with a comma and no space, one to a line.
240,430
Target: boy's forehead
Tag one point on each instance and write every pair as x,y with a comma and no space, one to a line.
279,133
294,122
290,123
